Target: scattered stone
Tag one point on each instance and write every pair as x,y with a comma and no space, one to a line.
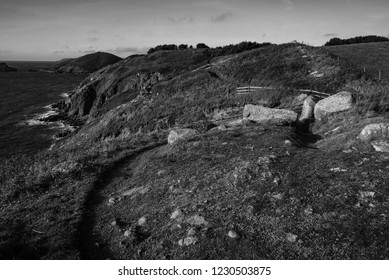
338,169
288,143
233,234
197,220
127,233
278,196
114,223
161,172
111,201
291,237
336,103
308,107
142,221
262,114
176,214
136,191
177,135
192,232
308,210
366,195
187,241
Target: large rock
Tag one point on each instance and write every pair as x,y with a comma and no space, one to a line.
308,106
262,114
5,68
375,131
336,103
177,135
378,136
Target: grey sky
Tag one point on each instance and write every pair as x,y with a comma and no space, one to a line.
53,29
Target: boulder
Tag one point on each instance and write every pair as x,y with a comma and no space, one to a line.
308,106
262,114
336,103
177,135
375,131
378,136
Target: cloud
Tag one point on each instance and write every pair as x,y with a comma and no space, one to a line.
222,17
5,51
289,4
180,20
331,35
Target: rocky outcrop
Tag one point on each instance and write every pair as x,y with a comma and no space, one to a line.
308,107
86,64
378,136
375,131
336,103
178,135
262,114
5,68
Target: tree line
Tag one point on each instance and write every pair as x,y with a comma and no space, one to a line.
356,40
218,51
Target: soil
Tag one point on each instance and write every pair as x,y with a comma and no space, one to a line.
280,195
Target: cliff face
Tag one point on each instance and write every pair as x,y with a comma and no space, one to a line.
122,82
86,64
5,68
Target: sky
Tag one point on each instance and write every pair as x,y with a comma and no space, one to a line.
56,29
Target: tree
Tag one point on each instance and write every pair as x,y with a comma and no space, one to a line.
182,47
201,46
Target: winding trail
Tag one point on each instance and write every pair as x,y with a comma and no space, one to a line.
89,241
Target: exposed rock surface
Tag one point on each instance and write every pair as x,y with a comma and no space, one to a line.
262,114
308,107
86,64
5,68
375,131
177,135
378,136
336,103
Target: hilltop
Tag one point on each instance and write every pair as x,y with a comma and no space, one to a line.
86,64
170,162
369,57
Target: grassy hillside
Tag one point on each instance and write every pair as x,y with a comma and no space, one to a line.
186,93
283,200
374,57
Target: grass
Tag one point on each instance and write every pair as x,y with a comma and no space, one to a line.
283,201
374,57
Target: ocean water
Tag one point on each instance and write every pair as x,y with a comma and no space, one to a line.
26,96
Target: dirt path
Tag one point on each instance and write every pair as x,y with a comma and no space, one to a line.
90,239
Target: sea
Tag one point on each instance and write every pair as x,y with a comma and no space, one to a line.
25,97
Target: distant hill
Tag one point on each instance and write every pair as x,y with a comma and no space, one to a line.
86,64
5,68
369,57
